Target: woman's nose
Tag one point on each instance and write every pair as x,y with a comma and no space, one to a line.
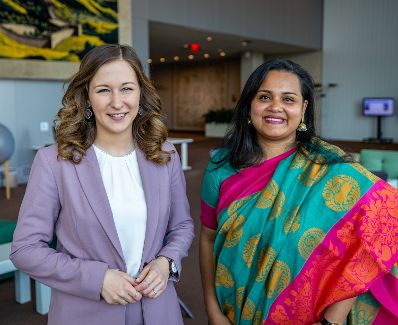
275,105
116,101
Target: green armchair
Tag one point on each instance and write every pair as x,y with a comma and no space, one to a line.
381,160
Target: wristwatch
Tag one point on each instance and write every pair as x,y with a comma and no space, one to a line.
173,271
324,321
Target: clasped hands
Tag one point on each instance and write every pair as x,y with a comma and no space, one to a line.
119,288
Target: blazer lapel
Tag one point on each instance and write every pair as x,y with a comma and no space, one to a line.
150,179
90,178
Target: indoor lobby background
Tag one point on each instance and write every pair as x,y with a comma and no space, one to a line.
349,46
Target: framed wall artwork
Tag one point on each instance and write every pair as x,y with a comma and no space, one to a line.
46,39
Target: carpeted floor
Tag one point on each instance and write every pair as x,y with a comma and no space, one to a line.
189,288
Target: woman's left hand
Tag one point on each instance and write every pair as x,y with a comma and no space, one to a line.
152,280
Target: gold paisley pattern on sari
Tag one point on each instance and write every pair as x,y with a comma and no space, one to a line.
234,206
309,240
298,162
364,310
239,296
265,260
277,209
279,279
258,318
341,193
227,224
223,277
250,249
268,196
232,214
312,173
248,310
331,147
229,312
235,232
292,221
365,172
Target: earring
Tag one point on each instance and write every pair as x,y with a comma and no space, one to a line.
88,113
140,111
302,127
249,121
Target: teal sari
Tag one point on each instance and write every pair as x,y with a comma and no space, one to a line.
311,235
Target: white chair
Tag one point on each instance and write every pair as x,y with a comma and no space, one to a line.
43,297
22,283
22,280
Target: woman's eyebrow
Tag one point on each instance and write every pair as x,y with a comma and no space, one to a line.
270,92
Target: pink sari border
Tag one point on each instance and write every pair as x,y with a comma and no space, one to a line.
385,290
248,181
384,317
330,275
208,215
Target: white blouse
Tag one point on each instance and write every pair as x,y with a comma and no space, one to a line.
123,186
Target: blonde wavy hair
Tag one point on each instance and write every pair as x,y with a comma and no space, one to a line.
74,134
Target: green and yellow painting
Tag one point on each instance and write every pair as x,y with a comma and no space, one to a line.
55,30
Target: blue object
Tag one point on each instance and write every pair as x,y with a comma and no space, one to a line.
7,144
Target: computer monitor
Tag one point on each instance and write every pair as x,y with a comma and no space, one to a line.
378,106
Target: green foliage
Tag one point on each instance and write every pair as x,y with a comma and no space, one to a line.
221,115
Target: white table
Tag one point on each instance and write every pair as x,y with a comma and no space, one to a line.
181,141
184,150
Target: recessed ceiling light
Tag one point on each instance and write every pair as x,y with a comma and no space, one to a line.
209,38
162,60
149,61
190,57
206,55
176,58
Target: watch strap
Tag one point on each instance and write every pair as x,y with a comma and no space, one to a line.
171,265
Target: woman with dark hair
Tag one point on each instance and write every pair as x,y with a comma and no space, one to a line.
293,231
112,193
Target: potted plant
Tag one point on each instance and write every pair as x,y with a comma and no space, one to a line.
217,121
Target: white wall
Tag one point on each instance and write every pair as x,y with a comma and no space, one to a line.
24,104
360,51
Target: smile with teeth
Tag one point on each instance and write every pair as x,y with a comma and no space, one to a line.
119,115
274,120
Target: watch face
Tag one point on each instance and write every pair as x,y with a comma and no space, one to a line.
173,267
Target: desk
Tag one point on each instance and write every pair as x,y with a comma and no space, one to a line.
184,150
182,141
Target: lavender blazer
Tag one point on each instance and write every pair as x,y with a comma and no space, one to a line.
70,200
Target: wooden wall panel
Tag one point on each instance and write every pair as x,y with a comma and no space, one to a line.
195,88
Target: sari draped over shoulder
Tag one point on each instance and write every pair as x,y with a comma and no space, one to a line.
295,235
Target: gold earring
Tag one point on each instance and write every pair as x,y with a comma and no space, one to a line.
302,127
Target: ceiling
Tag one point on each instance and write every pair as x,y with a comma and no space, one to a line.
167,41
